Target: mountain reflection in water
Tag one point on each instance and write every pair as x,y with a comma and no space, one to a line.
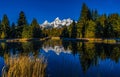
71,59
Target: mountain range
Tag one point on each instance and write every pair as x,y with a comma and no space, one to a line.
57,23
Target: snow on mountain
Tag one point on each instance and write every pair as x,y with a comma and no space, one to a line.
46,24
57,23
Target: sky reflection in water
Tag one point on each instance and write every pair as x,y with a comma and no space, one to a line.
68,59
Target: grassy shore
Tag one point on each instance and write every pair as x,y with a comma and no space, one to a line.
24,39
109,41
96,40
24,66
55,38
92,40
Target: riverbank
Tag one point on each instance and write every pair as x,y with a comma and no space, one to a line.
95,40
24,39
91,40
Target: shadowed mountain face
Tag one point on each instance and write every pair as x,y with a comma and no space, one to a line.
69,59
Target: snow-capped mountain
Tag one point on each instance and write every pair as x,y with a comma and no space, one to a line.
57,23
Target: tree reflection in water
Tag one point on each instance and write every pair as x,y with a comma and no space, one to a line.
89,53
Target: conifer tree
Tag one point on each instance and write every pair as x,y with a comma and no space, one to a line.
13,31
82,22
21,23
94,15
65,32
22,19
26,32
90,30
100,26
74,30
5,26
114,21
35,29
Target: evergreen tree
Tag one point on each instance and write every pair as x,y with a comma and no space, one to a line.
85,13
21,23
35,29
65,32
82,22
5,26
22,19
90,29
95,15
74,30
114,21
100,26
108,30
13,31
26,32
3,35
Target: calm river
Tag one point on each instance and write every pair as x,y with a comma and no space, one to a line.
69,59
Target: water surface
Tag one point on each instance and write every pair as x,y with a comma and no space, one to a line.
70,59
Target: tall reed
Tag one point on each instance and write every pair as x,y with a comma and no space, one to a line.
25,66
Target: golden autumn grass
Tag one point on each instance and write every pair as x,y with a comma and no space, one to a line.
25,66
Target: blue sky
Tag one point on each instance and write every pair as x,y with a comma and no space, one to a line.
50,9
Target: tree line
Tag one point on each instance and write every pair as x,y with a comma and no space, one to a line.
90,24
20,30
93,25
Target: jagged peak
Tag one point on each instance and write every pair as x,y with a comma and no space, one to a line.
57,23
57,18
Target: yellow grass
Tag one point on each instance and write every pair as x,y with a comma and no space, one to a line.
55,38
18,40
25,39
110,41
25,66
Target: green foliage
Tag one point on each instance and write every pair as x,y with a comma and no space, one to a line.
94,15
79,29
26,32
3,35
22,19
90,30
21,23
114,21
73,30
35,29
13,31
85,13
54,32
5,26
65,32
101,24
108,30
82,22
